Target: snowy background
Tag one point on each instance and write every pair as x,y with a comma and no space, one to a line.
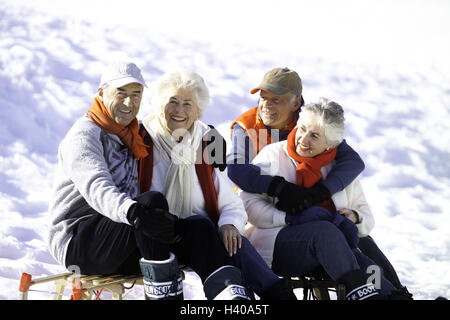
386,62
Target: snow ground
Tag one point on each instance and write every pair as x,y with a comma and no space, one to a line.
385,64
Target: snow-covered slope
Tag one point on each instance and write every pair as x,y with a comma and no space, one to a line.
397,113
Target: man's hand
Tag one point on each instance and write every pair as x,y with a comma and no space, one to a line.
231,238
157,224
293,198
216,148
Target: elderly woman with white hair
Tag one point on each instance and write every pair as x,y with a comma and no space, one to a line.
325,235
211,217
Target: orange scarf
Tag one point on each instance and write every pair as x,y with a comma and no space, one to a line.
308,169
129,135
259,136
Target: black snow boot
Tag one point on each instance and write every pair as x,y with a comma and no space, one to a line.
225,283
357,287
400,294
280,290
162,279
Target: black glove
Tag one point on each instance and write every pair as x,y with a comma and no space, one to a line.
293,198
157,224
318,193
216,148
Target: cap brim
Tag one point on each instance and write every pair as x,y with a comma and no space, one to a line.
277,91
254,90
117,83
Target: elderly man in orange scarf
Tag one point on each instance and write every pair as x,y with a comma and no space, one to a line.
100,221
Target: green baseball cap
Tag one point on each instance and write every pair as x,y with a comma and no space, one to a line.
280,81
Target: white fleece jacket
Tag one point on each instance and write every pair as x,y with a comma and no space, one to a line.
265,220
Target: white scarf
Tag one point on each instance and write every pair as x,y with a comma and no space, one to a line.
182,156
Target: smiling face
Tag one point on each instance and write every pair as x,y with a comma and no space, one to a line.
277,111
122,103
180,110
310,139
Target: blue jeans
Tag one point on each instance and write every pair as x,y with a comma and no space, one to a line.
301,249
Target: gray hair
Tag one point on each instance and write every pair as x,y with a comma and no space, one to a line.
188,80
330,117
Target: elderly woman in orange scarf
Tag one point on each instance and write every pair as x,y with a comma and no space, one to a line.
299,242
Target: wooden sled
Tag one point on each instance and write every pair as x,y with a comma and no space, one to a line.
83,287
90,287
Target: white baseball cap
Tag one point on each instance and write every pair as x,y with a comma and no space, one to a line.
118,74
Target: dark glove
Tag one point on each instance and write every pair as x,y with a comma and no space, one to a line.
310,214
157,224
293,199
318,193
216,148
348,228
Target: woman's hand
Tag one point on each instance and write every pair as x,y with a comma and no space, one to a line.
231,238
350,215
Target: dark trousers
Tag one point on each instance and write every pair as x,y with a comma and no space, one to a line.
102,246
369,248
302,249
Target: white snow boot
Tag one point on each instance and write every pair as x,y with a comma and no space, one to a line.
225,284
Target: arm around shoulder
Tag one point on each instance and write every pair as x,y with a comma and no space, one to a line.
241,171
348,165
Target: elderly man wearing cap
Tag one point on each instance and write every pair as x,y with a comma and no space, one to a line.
96,184
271,121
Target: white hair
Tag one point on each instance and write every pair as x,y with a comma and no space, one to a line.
330,116
188,80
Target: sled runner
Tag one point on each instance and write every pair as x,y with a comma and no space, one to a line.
83,287
314,289
90,287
